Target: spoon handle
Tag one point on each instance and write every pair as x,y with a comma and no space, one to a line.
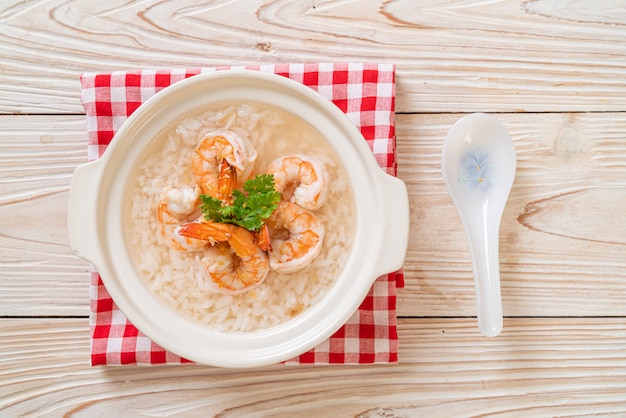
483,236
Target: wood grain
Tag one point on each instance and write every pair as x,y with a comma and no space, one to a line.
562,245
452,56
560,240
39,275
445,369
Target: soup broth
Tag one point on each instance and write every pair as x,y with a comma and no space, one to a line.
177,276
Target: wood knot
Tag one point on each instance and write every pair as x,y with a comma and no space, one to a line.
263,46
570,145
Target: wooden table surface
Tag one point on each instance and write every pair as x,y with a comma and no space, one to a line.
554,72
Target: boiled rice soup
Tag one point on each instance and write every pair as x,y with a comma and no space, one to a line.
241,216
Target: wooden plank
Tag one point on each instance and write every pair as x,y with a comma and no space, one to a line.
537,367
452,56
39,274
562,247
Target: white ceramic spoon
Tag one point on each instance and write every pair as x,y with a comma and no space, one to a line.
478,164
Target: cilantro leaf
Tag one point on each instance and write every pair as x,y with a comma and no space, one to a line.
249,208
211,208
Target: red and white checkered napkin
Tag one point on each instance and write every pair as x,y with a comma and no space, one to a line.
365,92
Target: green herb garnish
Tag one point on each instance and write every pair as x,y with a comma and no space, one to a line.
249,208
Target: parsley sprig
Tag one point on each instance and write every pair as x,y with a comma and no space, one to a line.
249,208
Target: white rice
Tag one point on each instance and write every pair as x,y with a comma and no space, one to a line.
177,276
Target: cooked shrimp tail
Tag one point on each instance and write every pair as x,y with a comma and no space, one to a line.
206,231
263,238
209,155
227,181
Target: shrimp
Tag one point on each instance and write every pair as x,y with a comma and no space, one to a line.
176,206
300,179
234,261
210,156
296,237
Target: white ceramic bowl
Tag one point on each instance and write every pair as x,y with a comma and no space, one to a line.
96,233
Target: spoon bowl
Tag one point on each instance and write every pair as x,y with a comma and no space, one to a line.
478,165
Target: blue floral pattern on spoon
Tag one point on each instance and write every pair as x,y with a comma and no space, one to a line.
476,169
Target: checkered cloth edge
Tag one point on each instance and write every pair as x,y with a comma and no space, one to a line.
365,92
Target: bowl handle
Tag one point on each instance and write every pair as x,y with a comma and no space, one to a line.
396,225
82,224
